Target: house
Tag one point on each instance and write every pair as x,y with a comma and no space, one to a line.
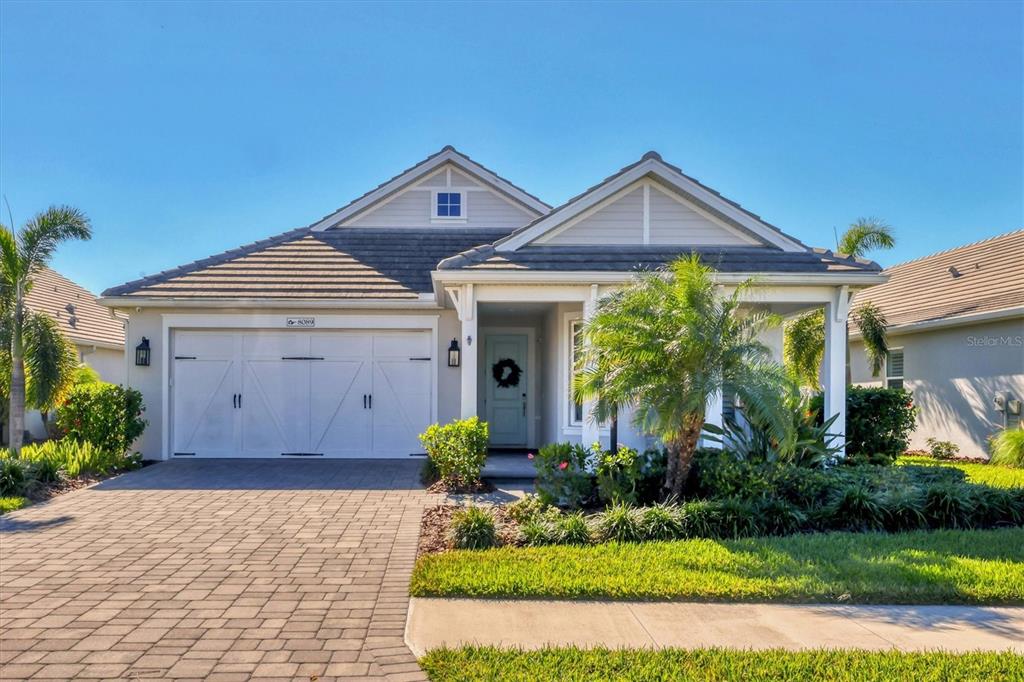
956,339
97,334
445,292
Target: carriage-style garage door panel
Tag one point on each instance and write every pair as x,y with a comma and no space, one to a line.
290,393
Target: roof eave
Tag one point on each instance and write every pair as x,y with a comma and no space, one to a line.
946,322
853,280
425,301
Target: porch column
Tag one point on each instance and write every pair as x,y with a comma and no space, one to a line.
470,343
591,428
834,374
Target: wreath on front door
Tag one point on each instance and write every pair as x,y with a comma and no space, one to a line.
506,372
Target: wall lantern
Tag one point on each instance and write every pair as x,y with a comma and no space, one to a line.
454,353
142,353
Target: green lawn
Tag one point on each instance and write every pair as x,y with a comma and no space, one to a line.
988,474
486,663
938,567
11,503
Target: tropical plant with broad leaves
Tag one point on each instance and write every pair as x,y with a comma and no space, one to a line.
37,362
665,344
804,338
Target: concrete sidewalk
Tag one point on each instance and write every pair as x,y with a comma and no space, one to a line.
533,624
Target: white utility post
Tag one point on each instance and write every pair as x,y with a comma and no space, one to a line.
591,428
834,374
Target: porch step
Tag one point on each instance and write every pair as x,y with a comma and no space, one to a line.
508,468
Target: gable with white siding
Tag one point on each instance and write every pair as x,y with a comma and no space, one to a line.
413,206
647,213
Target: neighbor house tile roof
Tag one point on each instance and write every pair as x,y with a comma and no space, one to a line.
986,276
629,258
75,309
379,263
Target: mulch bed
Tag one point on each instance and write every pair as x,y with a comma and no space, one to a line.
435,529
444,488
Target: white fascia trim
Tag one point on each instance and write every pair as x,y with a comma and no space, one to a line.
604,277
962,320
672,178
414,173
89,343
427,302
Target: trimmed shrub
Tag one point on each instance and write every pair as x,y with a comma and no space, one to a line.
619,523
661,522
878,424
995,507
942,449
457,450
573,529
105,415
1008,448
473,528
562,476
46,471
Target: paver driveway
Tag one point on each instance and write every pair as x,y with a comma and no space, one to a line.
215,570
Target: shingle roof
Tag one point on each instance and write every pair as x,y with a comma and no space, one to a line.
981,277
628,258
379,263
75,309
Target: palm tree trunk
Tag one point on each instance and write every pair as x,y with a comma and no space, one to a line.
17,416
685,447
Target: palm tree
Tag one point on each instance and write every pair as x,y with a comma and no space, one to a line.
30,336
804,339
665,344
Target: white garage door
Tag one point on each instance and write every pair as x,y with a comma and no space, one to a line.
290,393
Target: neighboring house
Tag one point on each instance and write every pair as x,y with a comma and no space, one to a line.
338,339
956,339
97,334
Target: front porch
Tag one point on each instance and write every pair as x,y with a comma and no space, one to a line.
518,342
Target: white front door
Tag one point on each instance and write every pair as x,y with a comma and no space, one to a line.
301,394
506,380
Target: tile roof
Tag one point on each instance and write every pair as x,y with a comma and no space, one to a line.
981,277
378,263
75,309
628,258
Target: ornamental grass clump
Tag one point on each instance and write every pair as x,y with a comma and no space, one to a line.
474,528
573,529
620,523
661,522
778,516
1008,448
904,509
856,507
537,532
949,505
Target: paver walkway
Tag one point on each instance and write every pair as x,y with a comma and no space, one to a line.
215,570
534,624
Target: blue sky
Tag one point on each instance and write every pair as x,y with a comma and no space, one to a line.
187,129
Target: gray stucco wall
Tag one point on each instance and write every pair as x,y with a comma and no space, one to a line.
955,373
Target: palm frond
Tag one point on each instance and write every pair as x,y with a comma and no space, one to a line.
45,231
803,347
872,324
50,362
866,234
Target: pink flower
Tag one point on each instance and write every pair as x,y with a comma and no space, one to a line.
563,466
529,455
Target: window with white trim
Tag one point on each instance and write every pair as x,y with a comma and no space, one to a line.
449,205
575,344
894,368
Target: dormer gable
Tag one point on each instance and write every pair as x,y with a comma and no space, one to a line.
447,189
650,203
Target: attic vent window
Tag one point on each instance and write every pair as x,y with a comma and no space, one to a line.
448,205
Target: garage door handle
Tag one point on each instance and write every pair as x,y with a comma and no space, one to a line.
234,400
419,359
364,401
300,357
371,401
